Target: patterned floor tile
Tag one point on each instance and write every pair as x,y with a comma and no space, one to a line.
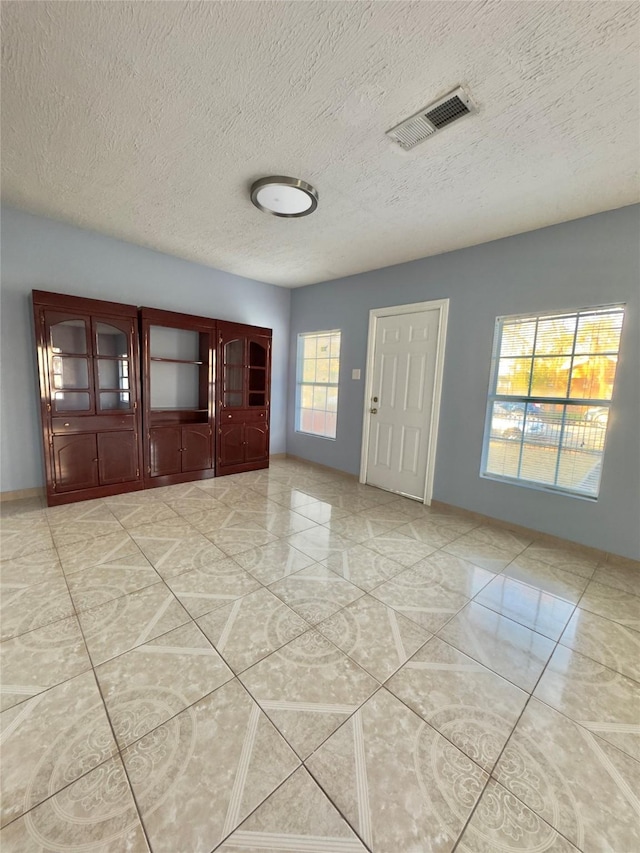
454,573
272,562
137,513
269,488
466,702
374,635
51,740
245,499
252,627
418,597
145,687
607,642
490,548
502,823
510,649
579,784
33,568
567,585
615,604
396,546
76,523
130,621
425,531
399,783
580,561
283,522
25,508
34,662
321,512
96,552
455,523
621,574
210,518
173,547
203,590
95,814
99,584
363,567
392,513
319,542
308,688
297,816
603,701
294,498
25,608
235,540
357,528
316,592
198,776
529,606
24,536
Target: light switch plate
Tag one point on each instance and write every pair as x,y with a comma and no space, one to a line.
355,373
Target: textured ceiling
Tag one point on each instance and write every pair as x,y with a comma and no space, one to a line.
148,121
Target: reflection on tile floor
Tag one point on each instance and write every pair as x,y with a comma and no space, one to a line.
289,660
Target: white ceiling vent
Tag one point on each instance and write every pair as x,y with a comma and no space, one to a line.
429,120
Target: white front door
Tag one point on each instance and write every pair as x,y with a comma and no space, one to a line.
404,374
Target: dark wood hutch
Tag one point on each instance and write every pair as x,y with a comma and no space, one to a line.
178,369
136,398
88,364
244,380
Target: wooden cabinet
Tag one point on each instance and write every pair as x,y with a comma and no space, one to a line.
75,462
179,396
244,370
89,393
201,408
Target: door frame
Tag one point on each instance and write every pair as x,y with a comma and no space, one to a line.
442,307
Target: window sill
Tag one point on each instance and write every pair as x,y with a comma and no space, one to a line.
539,487
316,435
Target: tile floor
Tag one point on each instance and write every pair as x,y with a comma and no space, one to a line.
288,661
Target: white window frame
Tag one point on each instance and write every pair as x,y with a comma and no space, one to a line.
300,382
494,397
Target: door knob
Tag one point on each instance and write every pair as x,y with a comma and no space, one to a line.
373,411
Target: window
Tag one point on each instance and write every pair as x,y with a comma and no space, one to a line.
318,371
550,393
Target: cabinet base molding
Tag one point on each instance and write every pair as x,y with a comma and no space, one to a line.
173,479
223,470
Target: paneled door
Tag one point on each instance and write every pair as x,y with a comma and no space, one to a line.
405,350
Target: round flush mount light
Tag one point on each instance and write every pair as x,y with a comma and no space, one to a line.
281,196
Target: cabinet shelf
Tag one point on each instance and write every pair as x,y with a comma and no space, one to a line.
175,360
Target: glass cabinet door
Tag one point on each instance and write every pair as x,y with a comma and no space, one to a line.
233,372
112,340
258,371
69,363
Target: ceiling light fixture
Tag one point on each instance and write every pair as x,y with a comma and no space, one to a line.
281,196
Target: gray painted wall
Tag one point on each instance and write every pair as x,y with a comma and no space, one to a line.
586,262
46,255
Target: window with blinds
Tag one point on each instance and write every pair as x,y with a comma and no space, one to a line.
317,386
552,379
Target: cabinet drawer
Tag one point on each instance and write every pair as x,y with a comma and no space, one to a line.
236,416
92,423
